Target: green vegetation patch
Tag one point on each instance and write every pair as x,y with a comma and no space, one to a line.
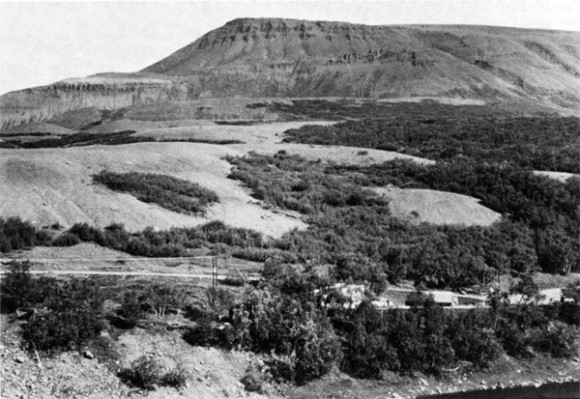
168,192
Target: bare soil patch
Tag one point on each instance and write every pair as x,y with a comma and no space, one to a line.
560,176
438,207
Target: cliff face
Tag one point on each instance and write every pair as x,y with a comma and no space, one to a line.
276,57
42,103
291,58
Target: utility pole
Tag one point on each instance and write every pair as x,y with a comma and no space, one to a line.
214,271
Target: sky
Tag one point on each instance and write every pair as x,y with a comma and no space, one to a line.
44,42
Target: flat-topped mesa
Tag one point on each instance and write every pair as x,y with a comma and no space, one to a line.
284,57
292,58
251,41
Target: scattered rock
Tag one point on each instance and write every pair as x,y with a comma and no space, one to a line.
88,354
19,359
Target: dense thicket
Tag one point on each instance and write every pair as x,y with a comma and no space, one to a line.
170,243
359,109
444,132
267,322
547,209
82,139
68,313
305,337
351,228
169,192
16,233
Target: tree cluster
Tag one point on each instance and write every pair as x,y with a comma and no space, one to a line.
65,314
168,192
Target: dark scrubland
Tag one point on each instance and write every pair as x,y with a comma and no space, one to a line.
82,139
349,224
17,234
79,139
169,192
440,132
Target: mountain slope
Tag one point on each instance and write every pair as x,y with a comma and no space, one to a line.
303,58
292,58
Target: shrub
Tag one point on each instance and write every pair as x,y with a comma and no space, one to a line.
69,315
282,368
144,373
73,316
176,378
253,380
317,349
131,310
61,330
166,191
558,339
16,287
208,334
16,234
87,233
66,240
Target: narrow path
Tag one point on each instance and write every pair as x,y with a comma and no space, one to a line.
122,274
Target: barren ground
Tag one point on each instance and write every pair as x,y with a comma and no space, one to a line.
560,176
437,207
211,373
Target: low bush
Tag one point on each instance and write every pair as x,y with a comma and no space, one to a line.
17,287
56,331
131,310
16,233
254,379
144,373
66,239
67,314
175,242
175,378
268,322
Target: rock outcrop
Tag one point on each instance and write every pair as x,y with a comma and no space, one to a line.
42,103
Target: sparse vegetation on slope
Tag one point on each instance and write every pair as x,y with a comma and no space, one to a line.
174,194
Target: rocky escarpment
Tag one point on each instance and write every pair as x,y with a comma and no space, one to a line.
292,58
107,92
280,57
